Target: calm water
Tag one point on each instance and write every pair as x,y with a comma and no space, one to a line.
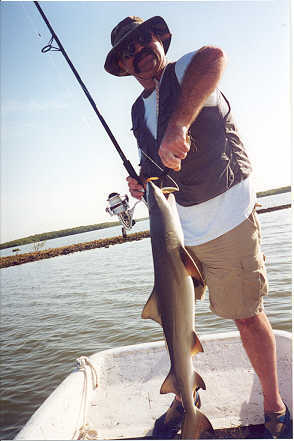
55,310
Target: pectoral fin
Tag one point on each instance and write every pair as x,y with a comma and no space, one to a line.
150,310
190,265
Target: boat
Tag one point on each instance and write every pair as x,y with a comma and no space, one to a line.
114,394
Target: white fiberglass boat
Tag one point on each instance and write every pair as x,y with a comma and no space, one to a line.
114,394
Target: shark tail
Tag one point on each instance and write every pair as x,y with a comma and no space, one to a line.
194,426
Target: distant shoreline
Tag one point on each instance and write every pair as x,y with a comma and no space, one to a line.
261,194
19,259
60,233
86,228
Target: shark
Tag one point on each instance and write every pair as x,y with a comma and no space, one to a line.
172,304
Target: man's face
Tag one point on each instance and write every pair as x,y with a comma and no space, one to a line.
142,56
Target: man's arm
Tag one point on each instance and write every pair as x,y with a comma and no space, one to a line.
200,80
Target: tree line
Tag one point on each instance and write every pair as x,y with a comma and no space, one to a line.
86,228
59,233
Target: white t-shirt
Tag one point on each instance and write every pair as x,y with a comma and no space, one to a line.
208,220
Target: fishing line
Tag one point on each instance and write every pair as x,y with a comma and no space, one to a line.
164,171
31,21
67,92
128,166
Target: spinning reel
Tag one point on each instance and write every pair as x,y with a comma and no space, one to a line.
120,207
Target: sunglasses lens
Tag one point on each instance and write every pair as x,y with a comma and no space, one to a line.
144,38
128,50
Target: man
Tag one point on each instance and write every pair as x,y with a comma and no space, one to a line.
183,122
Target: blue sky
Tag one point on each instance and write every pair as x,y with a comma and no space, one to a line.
57,163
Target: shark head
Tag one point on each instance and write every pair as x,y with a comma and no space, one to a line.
158,198
163,213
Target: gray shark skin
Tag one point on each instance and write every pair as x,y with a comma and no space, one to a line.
172,305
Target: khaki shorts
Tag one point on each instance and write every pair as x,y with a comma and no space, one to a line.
233,269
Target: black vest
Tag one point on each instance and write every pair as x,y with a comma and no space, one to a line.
217,159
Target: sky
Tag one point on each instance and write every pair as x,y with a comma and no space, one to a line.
58,165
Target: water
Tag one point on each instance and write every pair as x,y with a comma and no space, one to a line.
55,310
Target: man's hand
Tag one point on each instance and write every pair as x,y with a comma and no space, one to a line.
136,189
174,147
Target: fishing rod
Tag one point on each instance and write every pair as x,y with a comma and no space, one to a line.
117,205
128,166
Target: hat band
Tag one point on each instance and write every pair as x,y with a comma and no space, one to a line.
130,27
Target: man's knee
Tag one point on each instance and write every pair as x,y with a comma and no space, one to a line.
249,321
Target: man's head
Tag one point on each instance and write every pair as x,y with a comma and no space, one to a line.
139,47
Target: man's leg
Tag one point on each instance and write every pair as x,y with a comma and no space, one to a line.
235,273
259,342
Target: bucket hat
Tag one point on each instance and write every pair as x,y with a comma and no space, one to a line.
124,30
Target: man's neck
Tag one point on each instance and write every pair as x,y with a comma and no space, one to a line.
149,83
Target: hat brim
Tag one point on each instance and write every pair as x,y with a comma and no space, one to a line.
157,25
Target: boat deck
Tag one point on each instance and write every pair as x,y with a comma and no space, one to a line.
127,401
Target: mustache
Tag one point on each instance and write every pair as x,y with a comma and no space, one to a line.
140,55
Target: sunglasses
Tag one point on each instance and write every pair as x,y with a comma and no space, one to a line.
142,38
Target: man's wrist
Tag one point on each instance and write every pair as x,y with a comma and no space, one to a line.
178,126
